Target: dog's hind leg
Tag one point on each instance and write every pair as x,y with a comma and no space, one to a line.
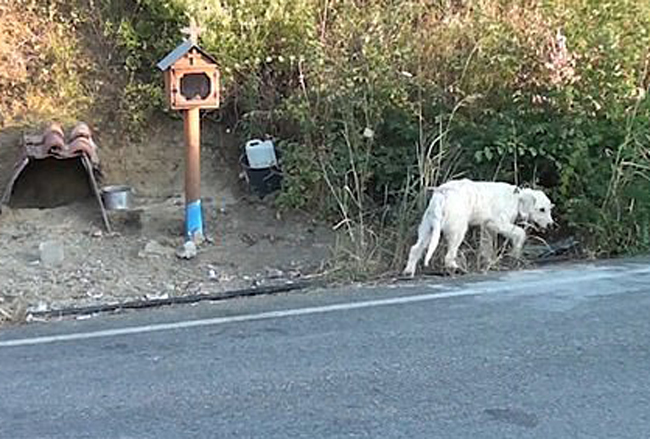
424,232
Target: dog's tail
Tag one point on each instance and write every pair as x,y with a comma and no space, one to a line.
428,232
437,208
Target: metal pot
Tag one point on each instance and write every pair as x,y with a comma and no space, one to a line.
118,197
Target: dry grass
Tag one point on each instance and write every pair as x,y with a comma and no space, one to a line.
12,311
43,69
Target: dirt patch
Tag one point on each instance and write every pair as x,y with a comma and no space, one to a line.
250,243
250,246
154,166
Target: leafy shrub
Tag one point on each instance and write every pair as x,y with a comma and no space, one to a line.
363,95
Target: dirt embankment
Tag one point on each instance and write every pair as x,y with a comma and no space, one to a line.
251,244
56,68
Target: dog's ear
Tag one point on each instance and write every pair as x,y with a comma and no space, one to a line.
526,203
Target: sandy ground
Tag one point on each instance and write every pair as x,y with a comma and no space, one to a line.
250,246
250,243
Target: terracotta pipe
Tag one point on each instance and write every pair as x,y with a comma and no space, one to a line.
53,138
80,130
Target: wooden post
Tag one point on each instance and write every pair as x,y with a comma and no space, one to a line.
181,68
193,213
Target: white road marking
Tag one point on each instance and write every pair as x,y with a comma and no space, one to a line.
478,289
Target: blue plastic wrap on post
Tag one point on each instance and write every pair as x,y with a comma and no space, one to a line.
193,220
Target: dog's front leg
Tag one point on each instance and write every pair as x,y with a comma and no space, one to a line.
514,233
486,250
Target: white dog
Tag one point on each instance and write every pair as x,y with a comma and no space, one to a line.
458,204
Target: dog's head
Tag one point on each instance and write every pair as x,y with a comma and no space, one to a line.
535,206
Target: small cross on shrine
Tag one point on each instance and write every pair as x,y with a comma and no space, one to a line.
192,31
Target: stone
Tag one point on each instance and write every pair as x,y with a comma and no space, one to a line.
187,251
51,253
274,273
213,275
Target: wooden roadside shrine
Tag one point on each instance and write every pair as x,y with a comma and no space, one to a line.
191,83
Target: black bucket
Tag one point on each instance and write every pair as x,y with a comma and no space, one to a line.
261,182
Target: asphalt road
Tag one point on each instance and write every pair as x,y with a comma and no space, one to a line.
562,352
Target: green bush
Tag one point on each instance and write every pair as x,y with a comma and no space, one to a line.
372,101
